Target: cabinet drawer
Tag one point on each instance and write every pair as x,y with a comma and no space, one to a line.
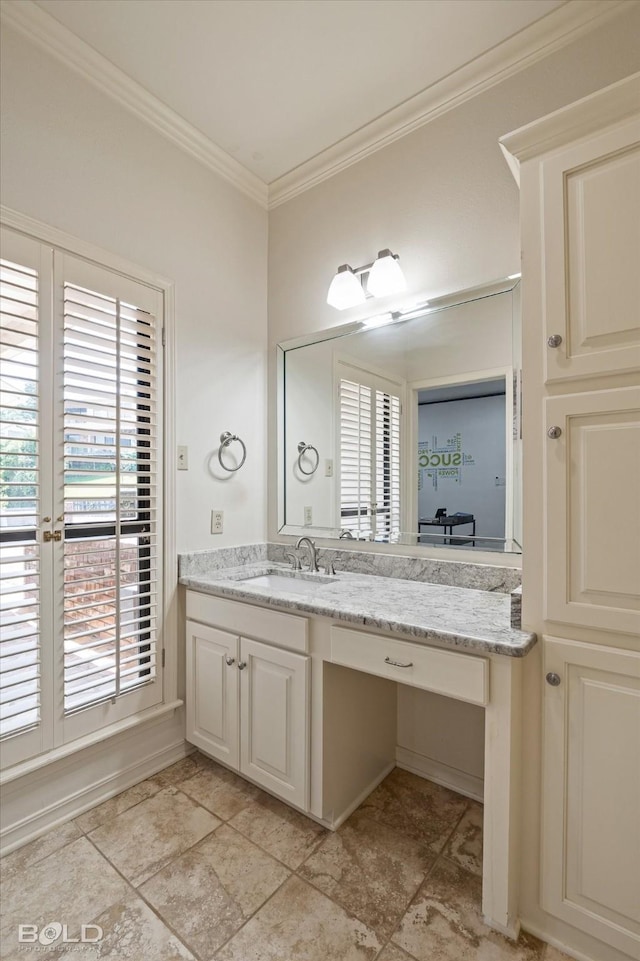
285,630
462,676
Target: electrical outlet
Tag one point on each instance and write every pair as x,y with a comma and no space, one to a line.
217,522
183,458
308,517
328,467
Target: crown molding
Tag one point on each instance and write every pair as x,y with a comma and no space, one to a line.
615,104
533,43
44,30
526,48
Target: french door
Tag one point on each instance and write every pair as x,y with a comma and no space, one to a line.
80,497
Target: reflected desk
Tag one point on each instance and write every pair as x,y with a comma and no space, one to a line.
449,522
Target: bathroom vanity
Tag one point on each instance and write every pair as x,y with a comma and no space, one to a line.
292,681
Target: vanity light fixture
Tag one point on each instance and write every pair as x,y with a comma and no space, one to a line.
346,289
384,277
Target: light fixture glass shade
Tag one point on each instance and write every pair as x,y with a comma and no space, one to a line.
386,277
345,289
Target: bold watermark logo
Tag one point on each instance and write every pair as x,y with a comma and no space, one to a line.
56,933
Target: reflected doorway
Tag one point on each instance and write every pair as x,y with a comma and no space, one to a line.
463,463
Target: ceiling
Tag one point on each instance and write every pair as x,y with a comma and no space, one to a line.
469,391
274,83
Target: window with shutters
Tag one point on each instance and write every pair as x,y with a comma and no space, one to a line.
369,430
81,497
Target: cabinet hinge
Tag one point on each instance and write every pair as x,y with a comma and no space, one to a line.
163,656
164,338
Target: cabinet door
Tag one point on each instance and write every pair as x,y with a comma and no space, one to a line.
591,791
274,752
591,197
593,510
212,691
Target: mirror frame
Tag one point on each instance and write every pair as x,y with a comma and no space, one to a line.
423,307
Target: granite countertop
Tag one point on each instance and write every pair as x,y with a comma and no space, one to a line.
456,617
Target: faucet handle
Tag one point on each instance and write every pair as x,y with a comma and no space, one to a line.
295,560
329,568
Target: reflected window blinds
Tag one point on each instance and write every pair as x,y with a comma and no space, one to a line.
369,437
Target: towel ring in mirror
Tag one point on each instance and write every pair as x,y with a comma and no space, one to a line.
227,438
303,449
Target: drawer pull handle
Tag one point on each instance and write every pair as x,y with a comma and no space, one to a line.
388,660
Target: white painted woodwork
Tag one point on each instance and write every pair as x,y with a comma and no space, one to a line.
357,742
591,809
274,740
502,772
255,720
212,692
461,676
591,212
580,215
593,509
285,630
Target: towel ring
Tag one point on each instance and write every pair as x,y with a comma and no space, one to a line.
227,438
302,449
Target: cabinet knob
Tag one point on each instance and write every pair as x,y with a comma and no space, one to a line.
554,341
554,432
553,679
242,665
230,660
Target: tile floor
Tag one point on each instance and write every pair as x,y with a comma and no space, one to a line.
195,863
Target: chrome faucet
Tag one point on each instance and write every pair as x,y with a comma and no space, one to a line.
313,556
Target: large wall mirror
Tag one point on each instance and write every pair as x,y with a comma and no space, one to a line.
406,429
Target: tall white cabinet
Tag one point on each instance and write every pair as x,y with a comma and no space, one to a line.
579,175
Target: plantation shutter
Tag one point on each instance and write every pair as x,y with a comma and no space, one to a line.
387,463
111,505
356,467
20,700
369,430
80,497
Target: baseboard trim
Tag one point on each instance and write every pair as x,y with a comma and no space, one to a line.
72,803
466,784
539,932
511,931
335,822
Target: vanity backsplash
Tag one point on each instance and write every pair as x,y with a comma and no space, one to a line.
479,577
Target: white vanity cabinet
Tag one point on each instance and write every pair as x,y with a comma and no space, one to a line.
248,699
591,249
579,175
213,688
592,509
591,843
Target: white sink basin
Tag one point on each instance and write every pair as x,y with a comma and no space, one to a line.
294,582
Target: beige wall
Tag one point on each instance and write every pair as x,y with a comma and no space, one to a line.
442,197
76,160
